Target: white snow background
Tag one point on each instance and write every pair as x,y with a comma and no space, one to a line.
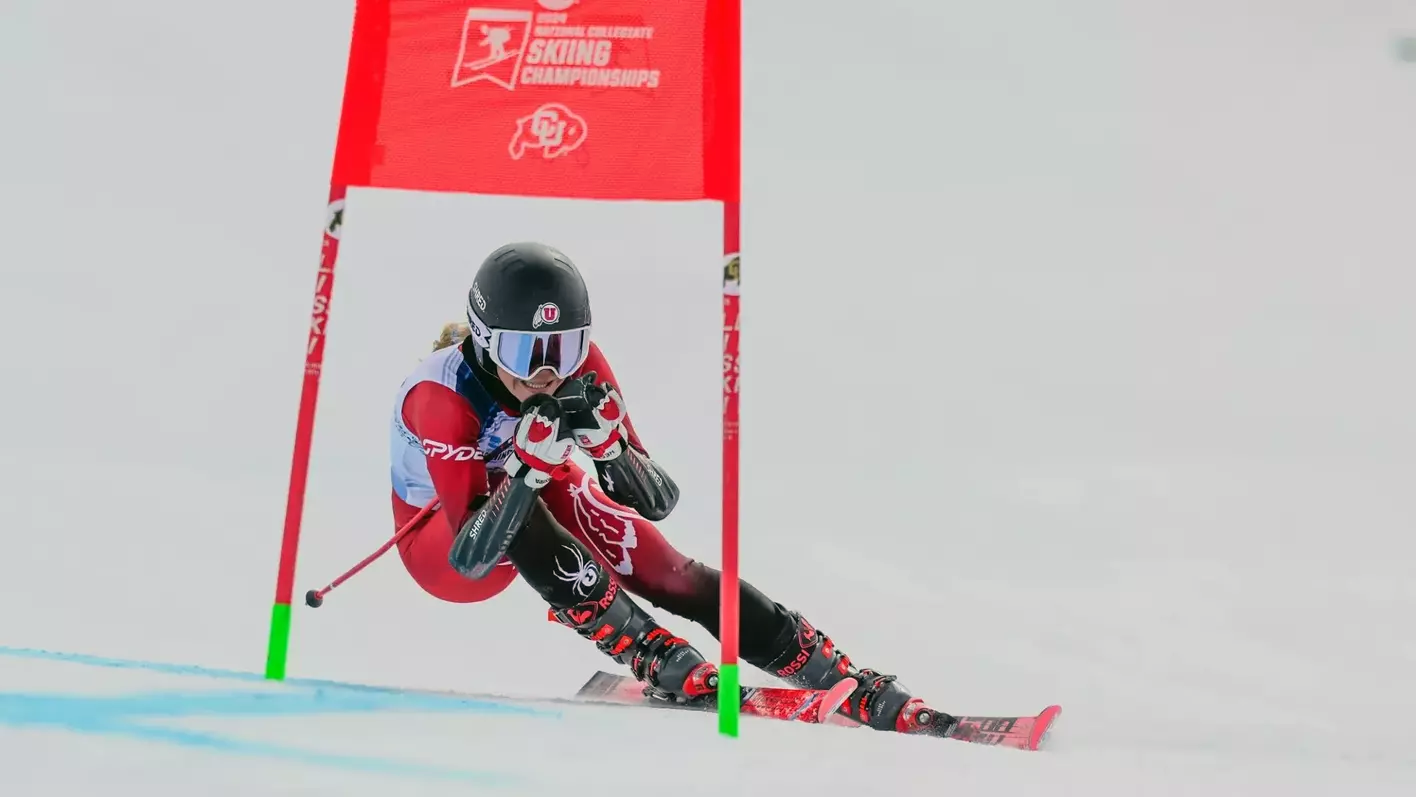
1078,368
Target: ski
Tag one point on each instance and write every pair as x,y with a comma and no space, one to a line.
1019,733
770,702
806,705
1022,733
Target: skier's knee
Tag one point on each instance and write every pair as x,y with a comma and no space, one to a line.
446,584
424,553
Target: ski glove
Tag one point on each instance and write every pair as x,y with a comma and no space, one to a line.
599,430
541,445
596,414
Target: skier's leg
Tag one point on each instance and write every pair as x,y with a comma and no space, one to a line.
771,637
650,567
424,552
585,597
647,565
809,658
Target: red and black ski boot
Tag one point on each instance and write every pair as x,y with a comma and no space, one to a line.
812,661
880,702
670,668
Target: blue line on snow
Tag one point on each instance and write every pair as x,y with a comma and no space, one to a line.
130,715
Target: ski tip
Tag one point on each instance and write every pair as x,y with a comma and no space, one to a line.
1042,728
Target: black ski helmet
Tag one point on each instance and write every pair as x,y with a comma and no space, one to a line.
525,287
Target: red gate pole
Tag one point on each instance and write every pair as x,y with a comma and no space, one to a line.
732,370
728,176
278,648
353,160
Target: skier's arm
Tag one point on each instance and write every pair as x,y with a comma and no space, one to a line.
486,521
627,473
540,450
638,482
448,430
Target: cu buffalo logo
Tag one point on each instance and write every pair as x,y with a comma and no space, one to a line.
553,128
548,313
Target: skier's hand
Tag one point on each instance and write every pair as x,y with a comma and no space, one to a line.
599,429
541,445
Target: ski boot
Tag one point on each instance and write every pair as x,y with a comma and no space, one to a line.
812,661
670,668
879,698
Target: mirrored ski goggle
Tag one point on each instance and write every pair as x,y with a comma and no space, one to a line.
522,354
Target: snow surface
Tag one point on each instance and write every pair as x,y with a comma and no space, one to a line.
1136,277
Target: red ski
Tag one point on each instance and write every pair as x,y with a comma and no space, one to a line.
770,702
819,707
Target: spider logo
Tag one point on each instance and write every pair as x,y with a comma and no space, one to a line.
583,577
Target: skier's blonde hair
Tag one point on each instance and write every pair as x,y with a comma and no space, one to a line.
453,333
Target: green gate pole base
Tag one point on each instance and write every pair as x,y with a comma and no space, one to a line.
279,642
729,706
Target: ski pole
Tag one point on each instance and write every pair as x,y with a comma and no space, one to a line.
315,598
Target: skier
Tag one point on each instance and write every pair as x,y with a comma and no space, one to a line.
480,426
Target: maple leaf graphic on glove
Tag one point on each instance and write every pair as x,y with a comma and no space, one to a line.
538,447
599,432
609,408
541,428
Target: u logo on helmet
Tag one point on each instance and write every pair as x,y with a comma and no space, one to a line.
548,313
